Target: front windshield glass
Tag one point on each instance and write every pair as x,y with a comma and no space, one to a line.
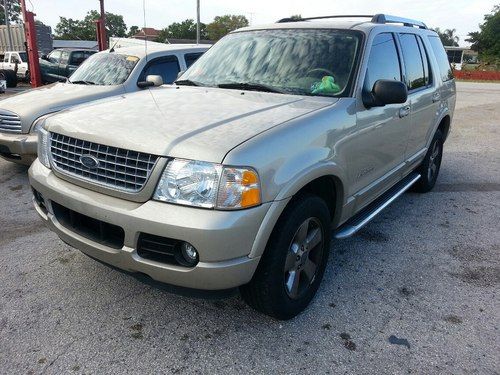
104,69
23,56
293,61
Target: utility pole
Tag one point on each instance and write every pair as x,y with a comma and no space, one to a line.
30,34
7,23
197,21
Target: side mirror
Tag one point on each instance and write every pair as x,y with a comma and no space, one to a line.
151,80
45,57
180,74
385,92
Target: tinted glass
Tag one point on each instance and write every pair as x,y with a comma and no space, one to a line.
415,77
441,57
167,68
105,69
383,62
23,56
425,60
298,61
190,58
64,57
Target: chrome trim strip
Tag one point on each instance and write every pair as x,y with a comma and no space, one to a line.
347,230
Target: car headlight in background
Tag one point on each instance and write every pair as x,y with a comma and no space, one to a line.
208,185
43,146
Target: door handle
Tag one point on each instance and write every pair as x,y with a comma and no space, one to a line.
436,97
404,111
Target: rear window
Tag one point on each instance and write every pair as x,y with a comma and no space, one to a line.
442,58
415,73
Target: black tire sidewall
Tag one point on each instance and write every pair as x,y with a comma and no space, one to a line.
270,274
424,184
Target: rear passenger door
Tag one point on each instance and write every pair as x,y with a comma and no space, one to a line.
422,93
377,154
167,67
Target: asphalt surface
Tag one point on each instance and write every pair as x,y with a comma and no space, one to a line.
417,291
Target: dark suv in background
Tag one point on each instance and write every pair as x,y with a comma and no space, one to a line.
61,63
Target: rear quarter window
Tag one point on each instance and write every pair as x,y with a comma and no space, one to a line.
442,58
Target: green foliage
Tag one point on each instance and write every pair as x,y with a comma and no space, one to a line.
296,17
448,37
132,31
222,25
14,11
85,29
487,40
182,30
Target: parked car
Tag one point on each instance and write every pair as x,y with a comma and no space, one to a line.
17,61
103,75
275,140
59,64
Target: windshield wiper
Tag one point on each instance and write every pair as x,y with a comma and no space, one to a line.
187,82
83,82
250,86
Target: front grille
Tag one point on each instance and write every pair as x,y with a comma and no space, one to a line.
114,167
88,227
10,122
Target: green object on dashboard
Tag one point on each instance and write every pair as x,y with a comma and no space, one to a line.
327,85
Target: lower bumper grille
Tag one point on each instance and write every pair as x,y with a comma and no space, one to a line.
88,227
160,249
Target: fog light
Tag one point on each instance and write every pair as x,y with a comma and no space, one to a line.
189,253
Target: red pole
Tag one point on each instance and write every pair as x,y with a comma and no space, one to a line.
30,34
101,29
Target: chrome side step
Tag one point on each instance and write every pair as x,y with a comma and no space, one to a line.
366,215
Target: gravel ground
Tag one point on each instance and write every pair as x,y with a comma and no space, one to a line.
416,291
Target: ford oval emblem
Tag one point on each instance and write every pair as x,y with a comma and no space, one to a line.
89,161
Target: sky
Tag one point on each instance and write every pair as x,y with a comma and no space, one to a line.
462,15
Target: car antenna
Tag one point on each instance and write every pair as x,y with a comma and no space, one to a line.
112,49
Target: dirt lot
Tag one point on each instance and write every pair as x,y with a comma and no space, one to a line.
417,291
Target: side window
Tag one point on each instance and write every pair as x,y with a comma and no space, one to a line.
441,57
415,77
190,58
14,58
77,58
383,62
64,57
6,58
166,67
425,60
55,56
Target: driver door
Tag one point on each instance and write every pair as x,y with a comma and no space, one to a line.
378,147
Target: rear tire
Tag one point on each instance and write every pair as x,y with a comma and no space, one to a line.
293,264
429,169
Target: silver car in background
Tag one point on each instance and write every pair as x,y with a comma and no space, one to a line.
103,75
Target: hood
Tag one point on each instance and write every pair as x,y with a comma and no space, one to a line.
32,104
184,122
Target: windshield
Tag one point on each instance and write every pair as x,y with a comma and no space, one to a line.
23,56
104,69
299,61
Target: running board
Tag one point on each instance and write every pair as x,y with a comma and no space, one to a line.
367,214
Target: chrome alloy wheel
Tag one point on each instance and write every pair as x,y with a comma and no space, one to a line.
303,258
433,161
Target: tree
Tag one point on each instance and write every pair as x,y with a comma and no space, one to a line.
487,40
182,30
222,25
296,17
448,37
85,29
132,31
14,8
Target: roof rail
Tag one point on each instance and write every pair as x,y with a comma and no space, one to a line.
377,18
385,18
323,17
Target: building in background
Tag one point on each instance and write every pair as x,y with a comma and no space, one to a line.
147,33
43,37
76,44
458,56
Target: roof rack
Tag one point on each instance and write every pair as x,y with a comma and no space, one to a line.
377,18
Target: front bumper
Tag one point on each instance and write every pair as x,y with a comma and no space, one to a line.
19,148
224,239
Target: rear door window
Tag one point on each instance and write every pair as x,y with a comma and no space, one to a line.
444,66
54,57
415,76
383,62
190,58
166,67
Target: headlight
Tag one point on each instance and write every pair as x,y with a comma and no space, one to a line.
43,146
208,185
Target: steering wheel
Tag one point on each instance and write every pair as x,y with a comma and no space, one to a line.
328,72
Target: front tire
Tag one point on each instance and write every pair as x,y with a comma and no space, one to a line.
429,169
293,264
